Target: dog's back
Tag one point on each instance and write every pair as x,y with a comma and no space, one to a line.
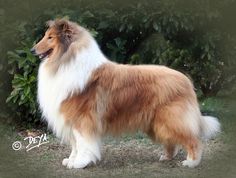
83,96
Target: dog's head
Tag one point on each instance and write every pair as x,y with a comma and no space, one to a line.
57,39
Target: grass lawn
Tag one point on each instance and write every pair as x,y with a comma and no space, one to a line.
127,156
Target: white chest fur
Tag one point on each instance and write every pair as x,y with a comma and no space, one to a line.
70,78
52,90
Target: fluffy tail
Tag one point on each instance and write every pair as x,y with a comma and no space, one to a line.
210,126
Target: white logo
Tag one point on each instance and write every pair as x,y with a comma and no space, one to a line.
16,145
33,142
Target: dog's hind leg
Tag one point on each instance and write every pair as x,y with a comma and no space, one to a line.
178,123
194,149
170,151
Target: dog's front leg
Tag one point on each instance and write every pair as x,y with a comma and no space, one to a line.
69,162
88,150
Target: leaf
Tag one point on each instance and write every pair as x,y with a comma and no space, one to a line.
118,41
9,98
155,26
87,14
26,91
103,25
19,51
122,27
13,55
32,79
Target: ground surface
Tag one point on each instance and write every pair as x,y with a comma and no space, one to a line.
127,156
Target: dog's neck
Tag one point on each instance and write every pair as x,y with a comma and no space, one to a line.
78,63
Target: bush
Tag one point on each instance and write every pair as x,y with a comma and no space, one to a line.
23,95
165,32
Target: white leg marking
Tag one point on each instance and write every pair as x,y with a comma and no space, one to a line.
164,157
69,161
189,162
72,157
88,150
65,161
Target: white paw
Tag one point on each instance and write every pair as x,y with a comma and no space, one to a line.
65,161
164,158
190,163
70,164
79,165
82,161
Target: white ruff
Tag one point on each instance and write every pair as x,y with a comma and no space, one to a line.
70,78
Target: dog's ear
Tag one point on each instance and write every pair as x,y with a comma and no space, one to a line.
64,27
65,31
50,23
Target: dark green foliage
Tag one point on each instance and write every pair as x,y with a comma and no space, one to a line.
24,71
185,35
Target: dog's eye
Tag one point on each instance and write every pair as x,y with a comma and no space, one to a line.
50,37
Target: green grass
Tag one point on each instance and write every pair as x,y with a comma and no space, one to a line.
212,105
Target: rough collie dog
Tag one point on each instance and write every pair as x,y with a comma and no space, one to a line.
84,96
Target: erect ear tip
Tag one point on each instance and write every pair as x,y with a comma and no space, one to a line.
62,24
50,23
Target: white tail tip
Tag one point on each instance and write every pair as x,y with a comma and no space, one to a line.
210,126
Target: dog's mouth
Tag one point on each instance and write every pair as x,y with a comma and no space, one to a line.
45,54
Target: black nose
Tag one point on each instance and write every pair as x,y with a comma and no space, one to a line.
33,51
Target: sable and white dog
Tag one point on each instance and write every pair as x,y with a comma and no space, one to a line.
84,96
